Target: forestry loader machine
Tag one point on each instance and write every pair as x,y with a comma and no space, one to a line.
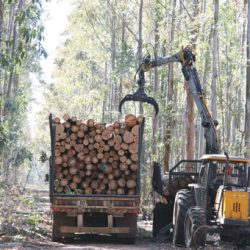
202,196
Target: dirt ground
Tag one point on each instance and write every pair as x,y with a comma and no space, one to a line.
25,223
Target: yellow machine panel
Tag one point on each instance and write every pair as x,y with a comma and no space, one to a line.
235,205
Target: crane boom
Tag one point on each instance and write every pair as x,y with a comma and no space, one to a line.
186,57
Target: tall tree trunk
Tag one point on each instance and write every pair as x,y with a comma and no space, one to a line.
113,56
170,97
123,43
139,48
247,106
156,87
190,146
215,60
1,38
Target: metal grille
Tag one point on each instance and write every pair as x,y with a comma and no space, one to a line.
236,207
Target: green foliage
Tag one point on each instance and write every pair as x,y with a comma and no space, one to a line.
34,220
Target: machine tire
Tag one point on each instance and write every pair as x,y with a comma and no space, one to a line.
195,227
163,215
184,199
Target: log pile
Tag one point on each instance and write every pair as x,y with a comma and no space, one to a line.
170,188
96,158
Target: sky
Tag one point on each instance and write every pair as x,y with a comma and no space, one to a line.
55,21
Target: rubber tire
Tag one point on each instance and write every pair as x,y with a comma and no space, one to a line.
162,216
195,219
184,199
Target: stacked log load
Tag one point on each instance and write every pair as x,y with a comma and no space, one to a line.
96,158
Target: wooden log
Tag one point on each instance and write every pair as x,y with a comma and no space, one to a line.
135,130
131,192
83,127
63,136
124,146
58,160
63,182
88,173
94,160
59,175
111,142
123,158
100,176
99,156
134,167
98,138
94,184
123,166
110,176
110,159
91,146
73,136
117,147
81,173
112,185
85,184
72,162
120,152
67,125
78,123
105,180
131,184
90,123
56,120
59,128
116,172
100,149
106,148
121,182
104,160
106,135
117,139
88,190
76,179
128,137
134,157
74,128
102,186
129,161
65,172
78,147
73,170
66,117
91,140
140,119
133,148
115,164
120,191
80,134
130,120
59,189
87,159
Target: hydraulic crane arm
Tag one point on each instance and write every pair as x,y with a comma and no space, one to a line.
187,58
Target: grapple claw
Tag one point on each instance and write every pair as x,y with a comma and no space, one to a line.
140,96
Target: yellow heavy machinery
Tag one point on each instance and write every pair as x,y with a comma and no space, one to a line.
218,197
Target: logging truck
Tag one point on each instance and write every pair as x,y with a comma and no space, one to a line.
95,177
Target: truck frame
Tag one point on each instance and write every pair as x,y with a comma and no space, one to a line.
75,214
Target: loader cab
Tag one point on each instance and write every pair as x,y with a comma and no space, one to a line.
231,172
231,190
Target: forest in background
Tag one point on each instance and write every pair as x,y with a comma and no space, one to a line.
105,41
